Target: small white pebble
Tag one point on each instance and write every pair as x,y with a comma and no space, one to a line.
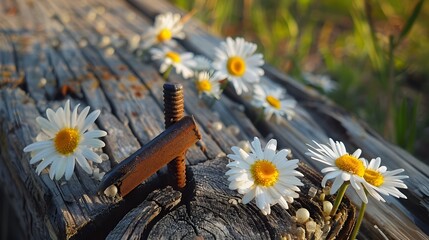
234,130
100,176
111,191
245,145
289,155
42,82
327,207
300,233
302,215
100,26
65,18
105,40
322,197
100,10
97,175
232,201
60,27
217,126
133,42
338,216
110,51
131,16
55,43
91,16
104,157
326,190
312,192
83,42
310,226
241,108
318,233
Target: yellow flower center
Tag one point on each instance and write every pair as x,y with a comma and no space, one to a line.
264,173
164,35
350,164
373,177
66,140
174,56
236,66
204,85
273,101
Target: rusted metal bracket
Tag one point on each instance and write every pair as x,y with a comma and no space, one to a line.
167,148
171,143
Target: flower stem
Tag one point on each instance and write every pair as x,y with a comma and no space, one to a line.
359,221
339,197
167,72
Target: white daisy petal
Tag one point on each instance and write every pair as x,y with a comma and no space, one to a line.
59,172
81,118
53,168
96,143
42,154
330,176
95,134
270,149
248,196
67,114
91,155
69,167
47,125
38,146
83,163
74,117
336,185
90,120
52,117
44,164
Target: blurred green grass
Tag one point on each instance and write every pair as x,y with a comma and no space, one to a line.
374,50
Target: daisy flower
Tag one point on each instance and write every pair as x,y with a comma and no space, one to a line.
166,27
236,60
182,62
208,85
266,175
66,141
343,166
202,63
379,180
273,103
321,81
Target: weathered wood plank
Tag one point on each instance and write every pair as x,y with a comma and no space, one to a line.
136,221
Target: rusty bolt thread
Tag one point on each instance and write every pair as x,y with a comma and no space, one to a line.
174,110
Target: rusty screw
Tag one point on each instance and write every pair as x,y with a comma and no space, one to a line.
174,110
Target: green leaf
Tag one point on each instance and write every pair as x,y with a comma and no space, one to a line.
410,22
